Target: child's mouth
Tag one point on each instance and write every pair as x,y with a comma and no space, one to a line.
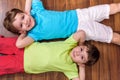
29,22
73,54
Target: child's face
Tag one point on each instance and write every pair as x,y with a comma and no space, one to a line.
23,22
79,54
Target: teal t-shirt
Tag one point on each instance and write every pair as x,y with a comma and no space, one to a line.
51,56
51,24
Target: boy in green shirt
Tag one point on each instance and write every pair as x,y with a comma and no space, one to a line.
62,56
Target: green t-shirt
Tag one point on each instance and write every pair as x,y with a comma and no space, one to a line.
51,56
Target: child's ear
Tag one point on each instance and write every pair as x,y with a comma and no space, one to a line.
80,64
22,32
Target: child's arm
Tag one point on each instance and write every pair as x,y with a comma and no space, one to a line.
23,41
82,72
79,36
28,6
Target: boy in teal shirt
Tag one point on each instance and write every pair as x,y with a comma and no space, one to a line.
42,24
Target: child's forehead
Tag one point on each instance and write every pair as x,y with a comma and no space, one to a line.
20,13
84,46
17,15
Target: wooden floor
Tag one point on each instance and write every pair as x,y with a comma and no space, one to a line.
107,68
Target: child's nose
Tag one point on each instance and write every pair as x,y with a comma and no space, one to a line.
77,53
24,22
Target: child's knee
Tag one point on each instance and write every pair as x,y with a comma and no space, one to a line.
116,38
114,8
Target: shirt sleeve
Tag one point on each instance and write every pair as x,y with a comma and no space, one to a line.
71,40
37,5
71,75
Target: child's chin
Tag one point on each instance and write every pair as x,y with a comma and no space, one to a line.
31,27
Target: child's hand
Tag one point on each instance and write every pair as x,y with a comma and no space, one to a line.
22,35
24,32
82,65
28,4
82,71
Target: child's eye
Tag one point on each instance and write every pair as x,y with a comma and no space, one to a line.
23,17
81,49
21,25
82,58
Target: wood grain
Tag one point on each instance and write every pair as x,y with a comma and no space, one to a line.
107,68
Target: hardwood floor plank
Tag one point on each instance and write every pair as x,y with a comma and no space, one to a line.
107,68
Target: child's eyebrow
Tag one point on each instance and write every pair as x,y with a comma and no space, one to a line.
20,14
